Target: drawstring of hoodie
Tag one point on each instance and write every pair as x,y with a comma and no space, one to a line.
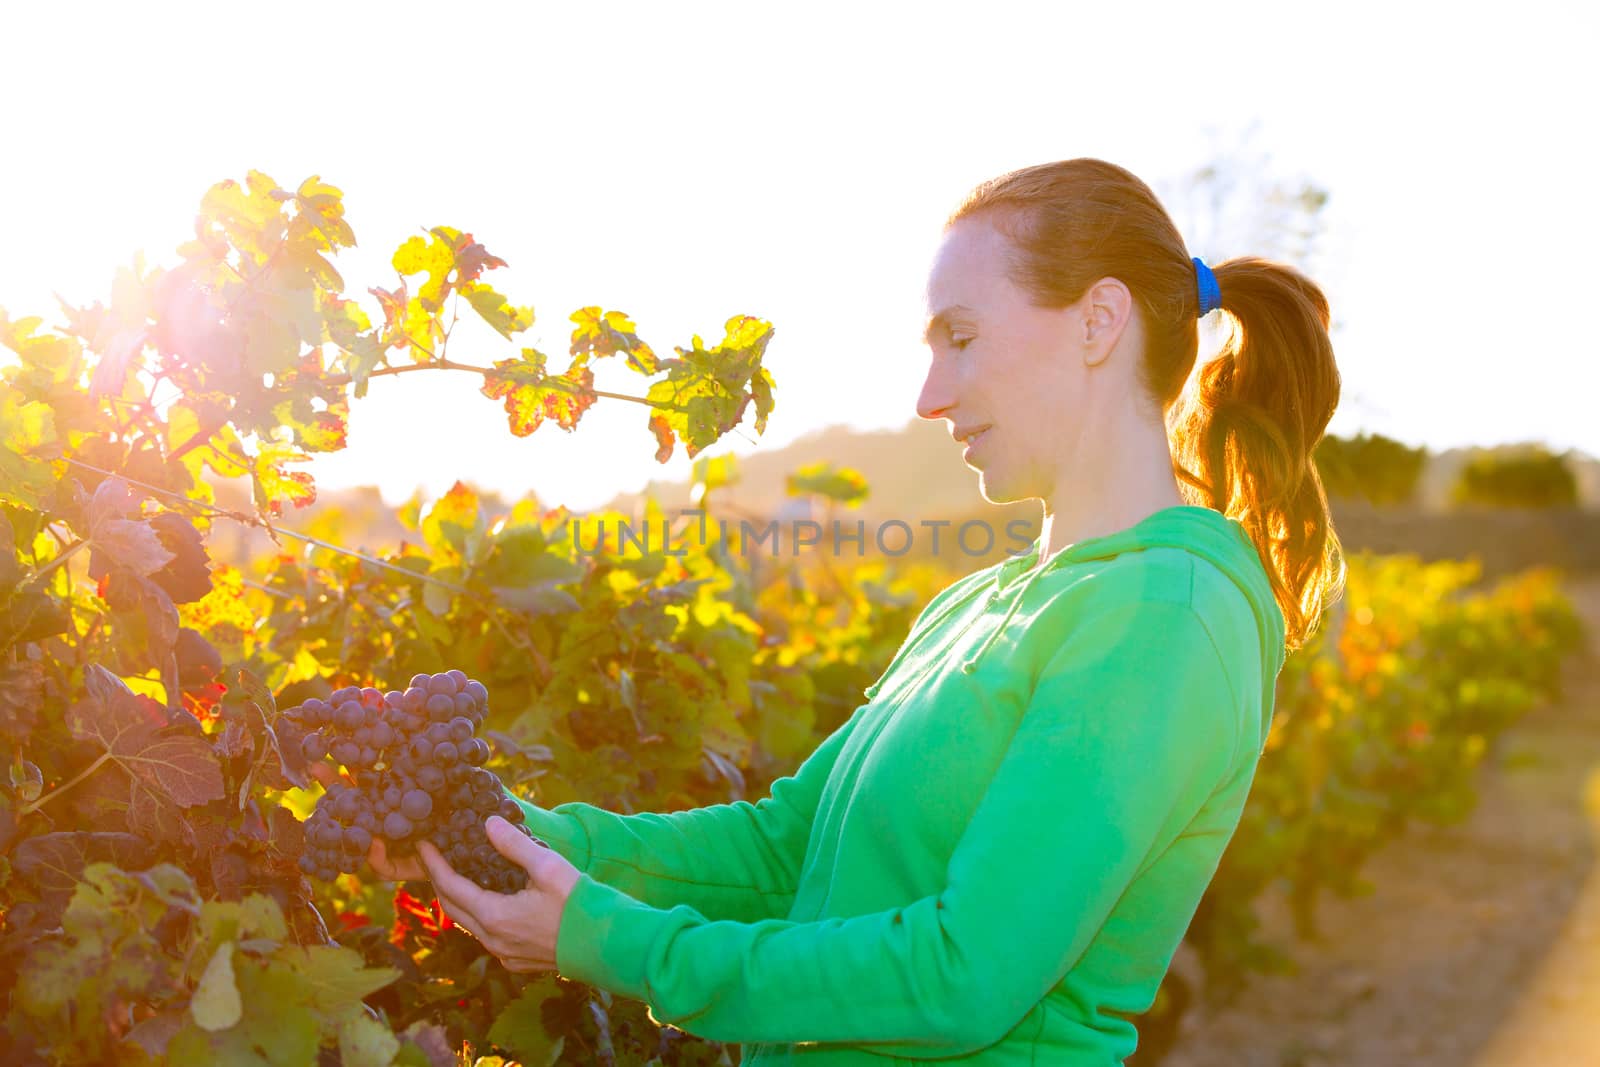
970,664
931,627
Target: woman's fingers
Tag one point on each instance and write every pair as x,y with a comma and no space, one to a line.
394,870
323,772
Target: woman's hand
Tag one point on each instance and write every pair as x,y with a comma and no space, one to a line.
520,928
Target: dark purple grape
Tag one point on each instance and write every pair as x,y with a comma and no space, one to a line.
445,753
313,747
347,753
382,735
457,774
430,778
396,826
458,677
362,736
475,752
421,749
368,821
394,700
392,796
460,728
511,812
442,685
357,840
308,863
348,715
339,696
465,705
369,756
416,805
441,707
419,680
477,692
414,698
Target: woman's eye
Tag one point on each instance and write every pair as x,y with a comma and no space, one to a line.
962,343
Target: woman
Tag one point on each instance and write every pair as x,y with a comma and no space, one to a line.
996,857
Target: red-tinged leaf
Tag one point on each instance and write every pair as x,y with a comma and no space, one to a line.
414,918
53,863
187,577
286,834
127,544
178,766
275,484
112,711
665,441
599,334
155,816
393,304
22,694
154,1034
126,592
234,740
113,498
531,396
116,353
471,258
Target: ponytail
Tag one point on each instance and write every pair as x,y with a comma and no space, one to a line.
1242,439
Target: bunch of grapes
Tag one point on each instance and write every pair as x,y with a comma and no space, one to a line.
419,773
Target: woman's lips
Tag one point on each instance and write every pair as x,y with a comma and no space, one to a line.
972,442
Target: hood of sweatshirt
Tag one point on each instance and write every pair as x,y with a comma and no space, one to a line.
1203,531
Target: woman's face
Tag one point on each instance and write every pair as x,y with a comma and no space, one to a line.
1001,366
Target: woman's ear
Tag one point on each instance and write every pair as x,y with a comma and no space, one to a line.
1107,307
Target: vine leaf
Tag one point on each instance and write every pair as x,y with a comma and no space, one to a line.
531,395
179,768
52,863
599,334
216,1004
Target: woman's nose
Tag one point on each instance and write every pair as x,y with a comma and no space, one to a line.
937,394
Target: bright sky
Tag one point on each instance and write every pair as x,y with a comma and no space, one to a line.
684,163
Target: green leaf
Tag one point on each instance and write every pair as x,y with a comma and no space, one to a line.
261,916
216,1004
496,310
598,335
365,1042
519,1029
713,472
27,781
456,523
27,430
706,392
843,484
336,977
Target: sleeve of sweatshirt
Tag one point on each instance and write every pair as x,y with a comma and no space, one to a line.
737,861
1131,726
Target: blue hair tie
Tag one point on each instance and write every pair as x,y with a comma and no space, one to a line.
1210,291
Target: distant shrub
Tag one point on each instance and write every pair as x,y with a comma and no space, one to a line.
1528,477
1370,467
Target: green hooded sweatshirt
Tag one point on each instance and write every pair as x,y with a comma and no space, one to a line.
995,858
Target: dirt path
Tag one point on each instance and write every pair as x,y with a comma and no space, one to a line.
1479,945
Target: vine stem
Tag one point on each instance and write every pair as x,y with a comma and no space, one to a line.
66,554
446,364
64,786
